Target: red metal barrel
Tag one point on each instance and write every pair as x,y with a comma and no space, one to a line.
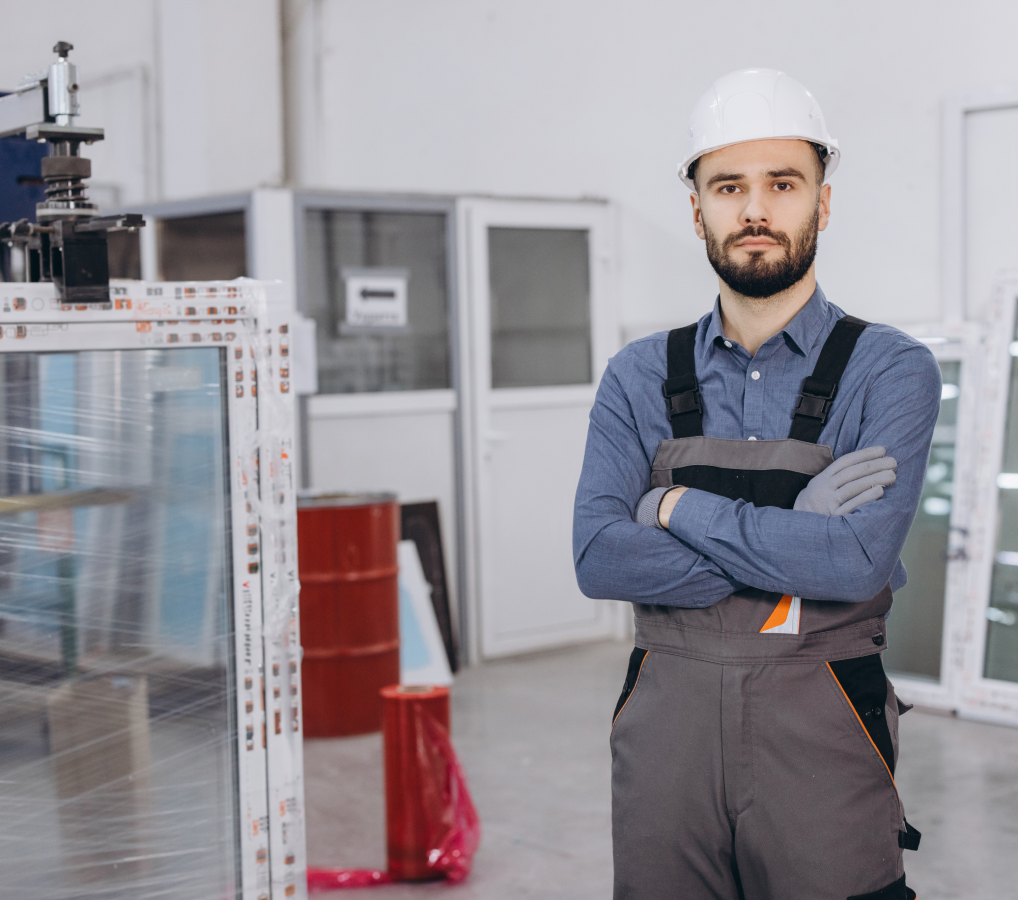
349,608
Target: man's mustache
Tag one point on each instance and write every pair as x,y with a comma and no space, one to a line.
757,231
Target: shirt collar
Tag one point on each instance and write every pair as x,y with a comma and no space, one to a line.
802,331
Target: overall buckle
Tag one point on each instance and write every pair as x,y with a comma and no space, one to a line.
816,400
683,395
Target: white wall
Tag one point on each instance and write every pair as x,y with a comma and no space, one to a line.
591,97
190,92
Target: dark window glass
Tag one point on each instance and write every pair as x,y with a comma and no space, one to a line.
203,248
915,628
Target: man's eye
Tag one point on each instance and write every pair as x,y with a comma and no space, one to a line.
729,189
783,186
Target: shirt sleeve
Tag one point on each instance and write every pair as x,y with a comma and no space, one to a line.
831,557
615,557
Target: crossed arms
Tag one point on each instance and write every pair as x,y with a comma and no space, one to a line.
715,546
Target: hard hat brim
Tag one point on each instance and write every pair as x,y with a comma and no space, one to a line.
830,163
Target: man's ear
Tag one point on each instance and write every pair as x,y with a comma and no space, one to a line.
698,215
825,207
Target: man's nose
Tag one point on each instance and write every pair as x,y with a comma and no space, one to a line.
755,212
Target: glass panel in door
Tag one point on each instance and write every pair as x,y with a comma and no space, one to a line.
117,749
540,307
916,625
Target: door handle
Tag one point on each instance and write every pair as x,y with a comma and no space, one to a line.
490,439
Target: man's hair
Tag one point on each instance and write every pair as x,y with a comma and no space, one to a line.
821,164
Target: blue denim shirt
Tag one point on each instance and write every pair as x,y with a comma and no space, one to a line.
889,396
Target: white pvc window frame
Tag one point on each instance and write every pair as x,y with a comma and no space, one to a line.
271,861
963,343
978,697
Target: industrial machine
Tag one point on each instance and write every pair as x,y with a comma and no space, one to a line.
67,244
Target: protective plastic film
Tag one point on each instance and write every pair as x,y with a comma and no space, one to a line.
149,643
116,680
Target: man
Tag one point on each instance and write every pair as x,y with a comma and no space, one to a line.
748,484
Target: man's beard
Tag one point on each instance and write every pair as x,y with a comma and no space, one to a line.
756,277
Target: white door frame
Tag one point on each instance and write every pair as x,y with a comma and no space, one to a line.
474,216
954,189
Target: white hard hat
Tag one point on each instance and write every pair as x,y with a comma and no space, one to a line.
754,105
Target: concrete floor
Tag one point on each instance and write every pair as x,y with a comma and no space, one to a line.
532,733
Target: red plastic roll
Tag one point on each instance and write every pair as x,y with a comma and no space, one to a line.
433,829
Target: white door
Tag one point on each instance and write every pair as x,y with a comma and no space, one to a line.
538,327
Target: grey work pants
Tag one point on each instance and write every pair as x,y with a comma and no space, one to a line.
750,782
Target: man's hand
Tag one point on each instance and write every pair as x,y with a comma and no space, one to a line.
847,483
656,506
668,501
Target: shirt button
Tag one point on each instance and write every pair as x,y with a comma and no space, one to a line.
751,439
755,376
728,344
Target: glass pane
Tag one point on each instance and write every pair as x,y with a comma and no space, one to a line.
915,627
404,355
117,752
540,307
1002,628
203,248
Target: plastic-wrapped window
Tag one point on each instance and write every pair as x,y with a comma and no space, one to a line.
115,622
149,650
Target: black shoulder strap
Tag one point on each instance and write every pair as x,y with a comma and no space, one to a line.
682,390
818,390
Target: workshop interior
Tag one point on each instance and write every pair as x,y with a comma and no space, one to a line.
304,305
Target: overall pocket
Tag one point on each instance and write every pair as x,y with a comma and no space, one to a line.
866,686
636,661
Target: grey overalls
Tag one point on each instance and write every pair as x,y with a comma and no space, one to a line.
754,744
